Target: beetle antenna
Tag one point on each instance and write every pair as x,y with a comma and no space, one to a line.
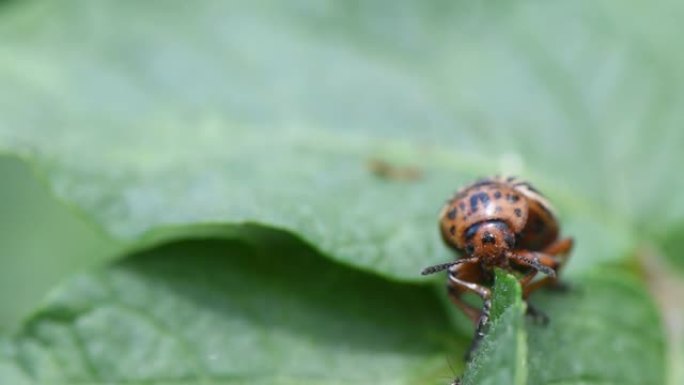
442,266
437,268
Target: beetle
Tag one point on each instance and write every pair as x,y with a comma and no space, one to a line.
499,222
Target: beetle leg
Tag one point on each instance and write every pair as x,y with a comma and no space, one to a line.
482,323
561,249
455,296
531,311
537,261
527,278
467,272
483,319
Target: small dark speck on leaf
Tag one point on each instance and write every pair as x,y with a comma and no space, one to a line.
388,171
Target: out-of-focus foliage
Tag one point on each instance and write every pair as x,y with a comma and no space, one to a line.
41,241
345,125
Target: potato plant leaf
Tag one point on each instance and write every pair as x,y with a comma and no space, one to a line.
231,311
502,356
226,311
603,329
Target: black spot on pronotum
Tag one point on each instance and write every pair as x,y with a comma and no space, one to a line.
497,195
452,214
461,206
481,197
518,212
472,230
488,238
469,249
513,198
452,230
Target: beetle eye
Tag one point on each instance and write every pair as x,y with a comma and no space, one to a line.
488,238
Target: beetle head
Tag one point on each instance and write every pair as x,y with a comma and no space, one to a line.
489,241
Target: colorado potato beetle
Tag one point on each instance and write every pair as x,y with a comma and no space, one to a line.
499,222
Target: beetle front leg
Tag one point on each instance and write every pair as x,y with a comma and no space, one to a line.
483,320
541,263
561,247
466,270
481,326
455,296
537,263
527,278
537,315
561,251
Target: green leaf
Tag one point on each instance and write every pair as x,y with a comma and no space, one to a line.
604,330
271,112
233,311
41,242
676,367
265,309
502,356
672,245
